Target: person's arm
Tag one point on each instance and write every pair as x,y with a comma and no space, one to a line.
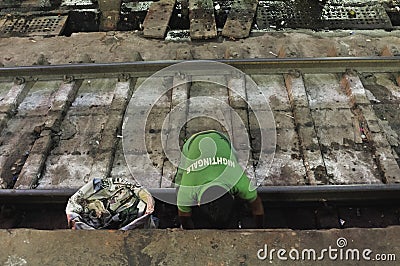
186,219
257,209
245,190
148,199
178,176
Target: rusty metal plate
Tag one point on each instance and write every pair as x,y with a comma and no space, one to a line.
155,24
33,26
202,20
240,19
310,14
338,15
287,14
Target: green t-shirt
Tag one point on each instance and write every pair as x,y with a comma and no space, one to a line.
209,159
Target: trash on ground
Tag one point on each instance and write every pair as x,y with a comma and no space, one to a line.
110,203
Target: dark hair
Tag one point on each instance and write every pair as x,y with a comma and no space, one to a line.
216,204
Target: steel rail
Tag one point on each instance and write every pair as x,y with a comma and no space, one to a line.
274,194
249,66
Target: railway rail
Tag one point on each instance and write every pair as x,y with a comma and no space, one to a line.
321,65
337,129
285,207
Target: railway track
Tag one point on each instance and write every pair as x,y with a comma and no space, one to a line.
285,207
336,129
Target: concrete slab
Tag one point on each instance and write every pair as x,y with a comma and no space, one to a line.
35,162
387,162
209,247
351,167
283,121
385,137
324,91
66,171
267,148
296,90
388,81
335,135
237,92
180,91
332,117
273,89
379,131
94,92
215,115
380,88
212,86
287,168
120,168
204,123
14,97
145,156
80,134
17,140
145,174
39,100
88,134
5,87
355,89
309,144
64,96
240,129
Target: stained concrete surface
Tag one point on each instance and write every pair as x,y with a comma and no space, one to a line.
206,247
328,128
171,247
124,46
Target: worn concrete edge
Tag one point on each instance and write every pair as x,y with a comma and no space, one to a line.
207,247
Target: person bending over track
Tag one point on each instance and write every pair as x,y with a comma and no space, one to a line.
208,180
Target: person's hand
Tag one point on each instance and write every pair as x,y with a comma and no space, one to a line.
71,223
146,197
186,220
150,207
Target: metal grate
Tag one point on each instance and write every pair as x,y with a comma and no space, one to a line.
136,6
355,15
10,3
33,26
334,14
44,3
178,36
74,3
288,14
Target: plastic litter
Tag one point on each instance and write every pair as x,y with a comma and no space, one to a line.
342,222
110,203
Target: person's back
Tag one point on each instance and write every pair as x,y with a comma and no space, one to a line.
208,161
